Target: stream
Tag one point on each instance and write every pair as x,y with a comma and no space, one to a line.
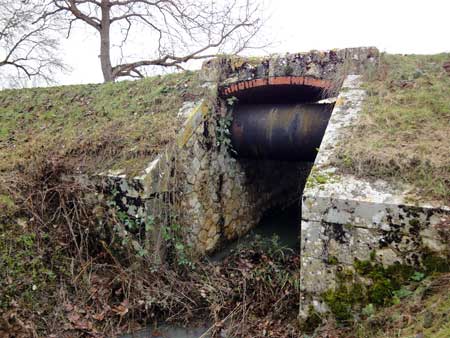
284,223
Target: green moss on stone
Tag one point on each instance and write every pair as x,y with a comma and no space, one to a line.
332,260
350,296
381,292
339,302
312,322
414,222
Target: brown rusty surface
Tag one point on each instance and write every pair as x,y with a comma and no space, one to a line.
290,132
276,81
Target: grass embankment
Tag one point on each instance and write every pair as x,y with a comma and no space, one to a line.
425,313
71,265
95,127
422,312
403,133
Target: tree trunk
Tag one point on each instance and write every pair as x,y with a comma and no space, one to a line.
105,45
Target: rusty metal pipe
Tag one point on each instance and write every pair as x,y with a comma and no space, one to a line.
289,132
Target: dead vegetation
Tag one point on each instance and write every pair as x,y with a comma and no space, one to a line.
403,133
68,270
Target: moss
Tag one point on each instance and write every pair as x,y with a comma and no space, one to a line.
317,178
359,293
312,322
381,291
399,274
429,314
332,260
346,297
434,263
339,302
385,280
414,222
351,296
321,179
363,267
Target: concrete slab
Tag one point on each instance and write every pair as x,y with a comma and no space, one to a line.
346,218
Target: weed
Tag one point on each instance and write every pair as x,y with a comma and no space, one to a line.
402,132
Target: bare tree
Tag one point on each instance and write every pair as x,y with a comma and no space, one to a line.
27,47
176,31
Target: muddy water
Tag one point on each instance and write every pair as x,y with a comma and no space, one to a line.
165,331
284,223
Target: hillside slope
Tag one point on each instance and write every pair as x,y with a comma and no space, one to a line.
94,127
403,133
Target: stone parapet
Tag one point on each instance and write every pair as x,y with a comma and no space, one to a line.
326,65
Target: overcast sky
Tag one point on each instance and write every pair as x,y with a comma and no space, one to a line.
395,26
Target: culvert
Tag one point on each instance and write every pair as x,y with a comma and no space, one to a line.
276,131
282,131
219,196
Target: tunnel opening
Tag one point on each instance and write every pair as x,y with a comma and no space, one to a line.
275,135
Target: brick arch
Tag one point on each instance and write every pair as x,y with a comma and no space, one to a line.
276,81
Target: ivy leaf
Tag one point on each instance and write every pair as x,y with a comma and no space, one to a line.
417,276
402,293
368,310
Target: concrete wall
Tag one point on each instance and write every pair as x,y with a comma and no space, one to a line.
346,219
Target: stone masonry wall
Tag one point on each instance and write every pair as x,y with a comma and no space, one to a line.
224,197
221,197
321,65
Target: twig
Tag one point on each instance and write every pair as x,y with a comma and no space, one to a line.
221,322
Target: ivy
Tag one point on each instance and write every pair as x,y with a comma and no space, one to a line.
224,133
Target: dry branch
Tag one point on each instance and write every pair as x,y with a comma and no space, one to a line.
28,49
178,30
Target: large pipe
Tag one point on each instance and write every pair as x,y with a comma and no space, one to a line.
290,132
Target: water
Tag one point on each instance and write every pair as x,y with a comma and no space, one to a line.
283,223
166,331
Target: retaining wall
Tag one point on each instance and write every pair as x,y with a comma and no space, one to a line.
221,197
345,218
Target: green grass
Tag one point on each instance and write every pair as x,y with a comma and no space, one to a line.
425,311
102,126
403,133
